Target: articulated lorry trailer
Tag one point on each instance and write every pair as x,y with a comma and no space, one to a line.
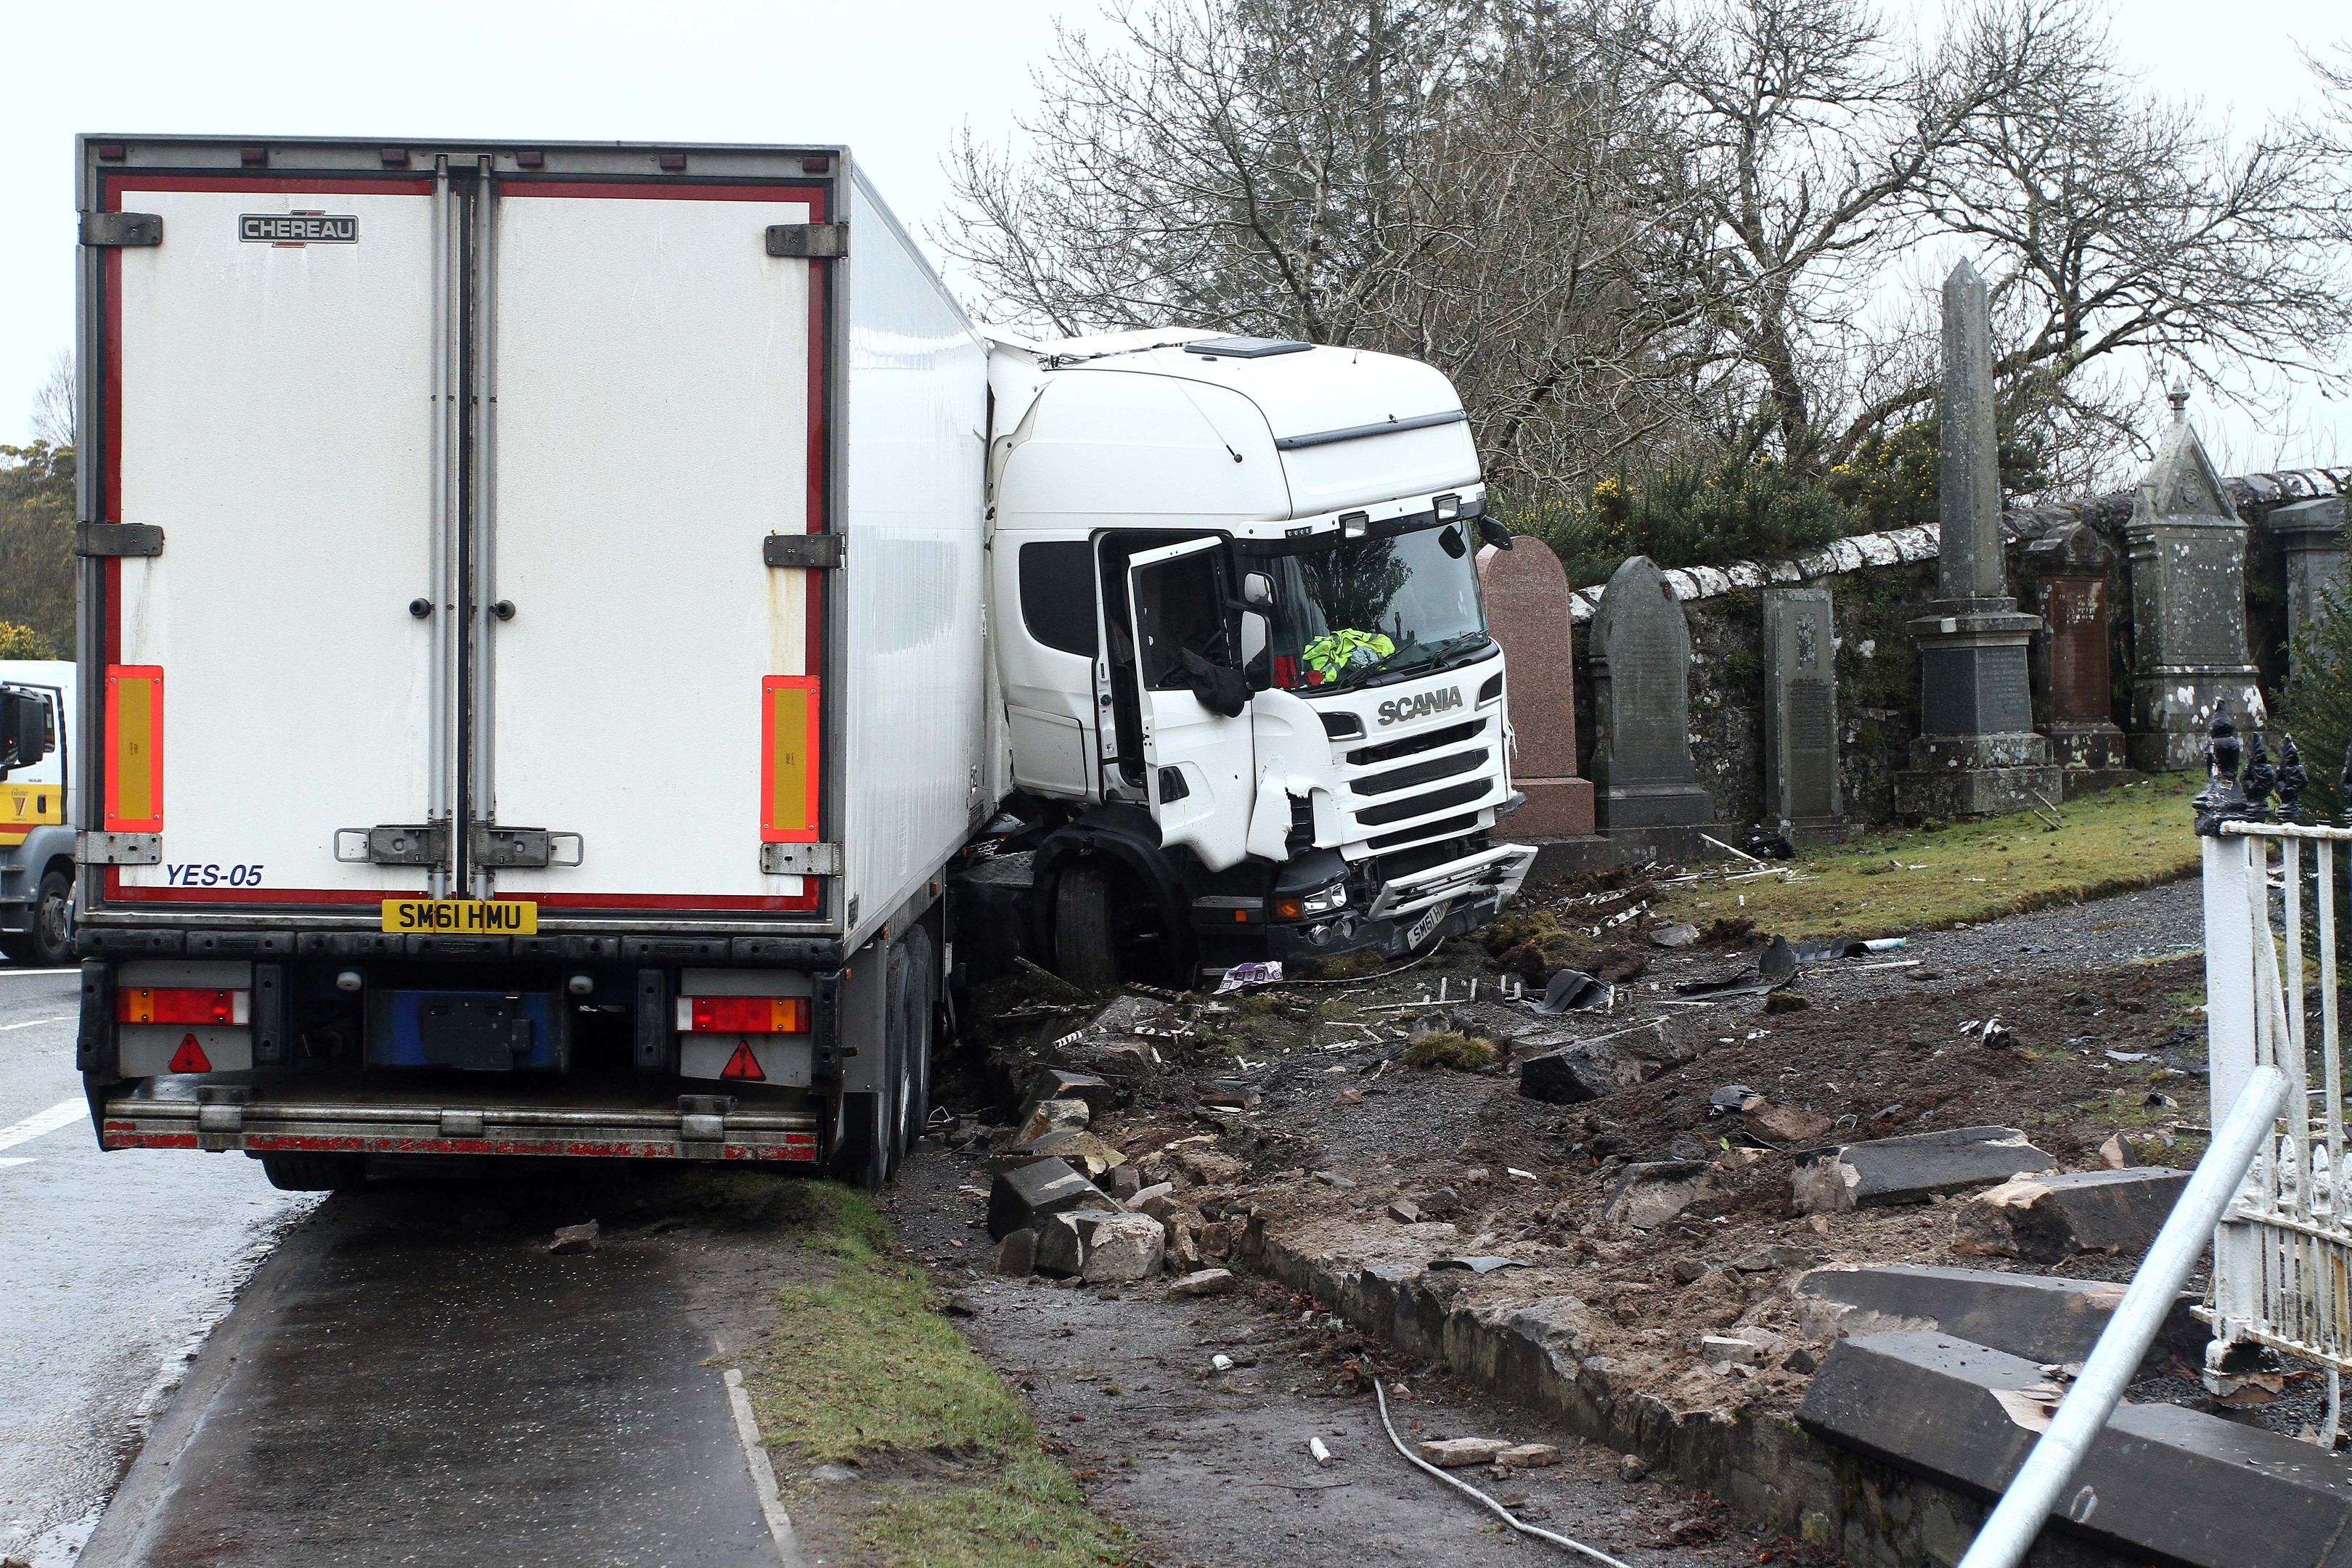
582,646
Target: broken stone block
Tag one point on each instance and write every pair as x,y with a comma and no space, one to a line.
1062,1242
1216,1240
1459,1453
1650,1192
1122,1182
1203,1282
1059,1083
1143,1199
1404,1211
2161,1482
2043,1218
1443,1204
1912,1168
1055,1116
1182,1250
1016,1255
1529,1456
1023,1198
2114,1155
1723,1350
1076,1149
2047,1321
1785,1124
1588,1069
1119,1248
573,1238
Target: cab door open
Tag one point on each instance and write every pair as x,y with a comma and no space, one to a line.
1200,762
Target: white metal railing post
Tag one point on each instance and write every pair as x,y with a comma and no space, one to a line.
2230,1010
2050,1468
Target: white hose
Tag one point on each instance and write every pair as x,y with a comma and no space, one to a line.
1463,1485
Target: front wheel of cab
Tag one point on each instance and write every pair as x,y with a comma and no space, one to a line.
313,1172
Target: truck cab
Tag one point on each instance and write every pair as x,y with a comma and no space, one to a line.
36,836
1249,693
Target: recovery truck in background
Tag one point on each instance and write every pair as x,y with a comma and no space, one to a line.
36,836
582,645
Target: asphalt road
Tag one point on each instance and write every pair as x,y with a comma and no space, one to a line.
115,1267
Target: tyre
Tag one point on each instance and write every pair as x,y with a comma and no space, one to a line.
1085,947
50,943
313,1172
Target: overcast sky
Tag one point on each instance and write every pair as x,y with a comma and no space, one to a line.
894,80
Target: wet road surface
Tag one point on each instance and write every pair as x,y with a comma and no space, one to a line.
415,1379
111,1268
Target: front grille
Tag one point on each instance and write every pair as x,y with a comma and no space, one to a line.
1423,805
1429,741
1419,773
1447,828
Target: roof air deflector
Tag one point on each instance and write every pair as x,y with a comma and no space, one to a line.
1246,348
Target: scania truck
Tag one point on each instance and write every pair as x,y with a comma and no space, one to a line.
582,644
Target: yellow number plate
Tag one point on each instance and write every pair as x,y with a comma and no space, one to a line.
462,916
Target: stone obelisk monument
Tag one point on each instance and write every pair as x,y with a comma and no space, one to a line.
1976,755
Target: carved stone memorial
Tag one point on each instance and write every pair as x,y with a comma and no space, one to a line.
2310,536
2073,564
1640,654
1528,605
1800,714
2187,546
1976,755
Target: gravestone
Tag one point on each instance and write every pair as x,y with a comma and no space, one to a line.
1977,753
2187,546
2310,536
2077,682
1640,653
1528,604
1801,715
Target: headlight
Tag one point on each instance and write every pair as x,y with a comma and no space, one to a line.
1322,902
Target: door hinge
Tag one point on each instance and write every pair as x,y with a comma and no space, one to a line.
808,241
95,848
521,848
122,228
810,551
422,844
800,860
117,538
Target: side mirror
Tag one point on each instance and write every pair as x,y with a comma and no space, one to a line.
1257,591
1494,533
27,732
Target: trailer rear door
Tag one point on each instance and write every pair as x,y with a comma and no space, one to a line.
268,401
654,696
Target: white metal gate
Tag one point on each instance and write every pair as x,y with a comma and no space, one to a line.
2283,1252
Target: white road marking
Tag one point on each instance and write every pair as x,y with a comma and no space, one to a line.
42,1122
763,1474
16,1159
28,1023
5,972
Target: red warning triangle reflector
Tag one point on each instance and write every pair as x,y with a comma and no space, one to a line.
743,1063
191,1057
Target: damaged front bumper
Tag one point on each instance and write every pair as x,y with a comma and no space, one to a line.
1415,910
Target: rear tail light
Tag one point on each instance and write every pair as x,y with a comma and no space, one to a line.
743,1015
159,1004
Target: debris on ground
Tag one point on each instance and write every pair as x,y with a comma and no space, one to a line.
573,1238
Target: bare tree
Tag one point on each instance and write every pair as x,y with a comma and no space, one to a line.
53,405
1492,188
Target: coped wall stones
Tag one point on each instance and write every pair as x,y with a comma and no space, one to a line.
1528,610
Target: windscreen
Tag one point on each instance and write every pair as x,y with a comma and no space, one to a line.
1363,609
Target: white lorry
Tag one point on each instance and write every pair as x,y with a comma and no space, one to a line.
580,639
36,836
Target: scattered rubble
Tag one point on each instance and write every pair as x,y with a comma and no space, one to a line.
1651,1193
1023,1198
573,1238
1461,1453
1203,1282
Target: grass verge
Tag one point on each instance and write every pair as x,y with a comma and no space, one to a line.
1889,883
862,1365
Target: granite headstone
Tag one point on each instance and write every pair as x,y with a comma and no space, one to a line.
1977,753
1527,610
1640,654
2310,536
1801,713
2073,564
2186,547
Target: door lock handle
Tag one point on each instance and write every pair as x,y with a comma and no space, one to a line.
503,609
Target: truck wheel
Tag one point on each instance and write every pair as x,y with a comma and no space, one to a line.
51,942
313,1172
1085,950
